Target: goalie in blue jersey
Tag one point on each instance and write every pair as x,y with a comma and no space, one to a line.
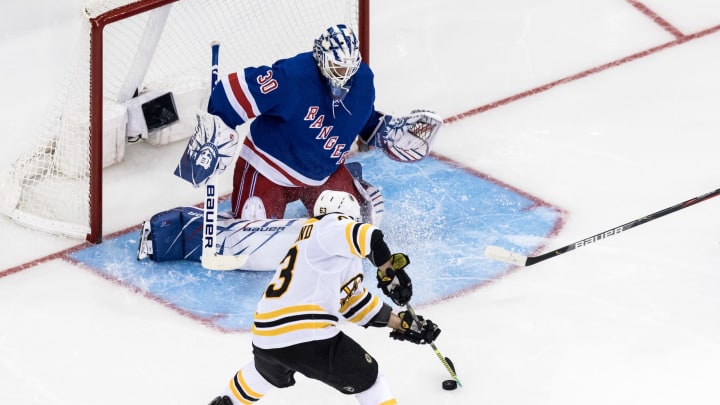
307,112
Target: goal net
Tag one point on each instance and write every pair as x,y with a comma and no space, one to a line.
140,74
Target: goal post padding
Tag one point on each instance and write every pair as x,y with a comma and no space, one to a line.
134,57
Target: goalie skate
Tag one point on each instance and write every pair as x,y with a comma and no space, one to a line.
145,248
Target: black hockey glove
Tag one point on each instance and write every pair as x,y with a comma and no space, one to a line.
419,333
395,283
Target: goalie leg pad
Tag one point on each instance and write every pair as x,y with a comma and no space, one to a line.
192,235
176,234
166,232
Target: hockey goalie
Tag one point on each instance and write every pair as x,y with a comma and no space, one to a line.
176,234
305,113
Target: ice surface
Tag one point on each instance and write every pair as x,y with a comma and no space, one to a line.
632,319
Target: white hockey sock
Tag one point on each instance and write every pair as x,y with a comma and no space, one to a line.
378,393
247,386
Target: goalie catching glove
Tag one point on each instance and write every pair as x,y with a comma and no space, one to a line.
419,332
408,138
394,281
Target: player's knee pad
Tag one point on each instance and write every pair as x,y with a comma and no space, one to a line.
253,209
378,393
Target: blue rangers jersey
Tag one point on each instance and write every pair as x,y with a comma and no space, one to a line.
299,135
317,284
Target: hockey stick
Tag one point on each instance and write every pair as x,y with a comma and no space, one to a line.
498,253
439,355
210,259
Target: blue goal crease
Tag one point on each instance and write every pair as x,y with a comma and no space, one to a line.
442,216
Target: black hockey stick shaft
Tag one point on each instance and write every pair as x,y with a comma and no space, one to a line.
499,254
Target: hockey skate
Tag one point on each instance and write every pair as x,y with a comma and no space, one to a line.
145,248
224,400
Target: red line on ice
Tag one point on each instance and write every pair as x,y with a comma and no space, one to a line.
583,74
656,18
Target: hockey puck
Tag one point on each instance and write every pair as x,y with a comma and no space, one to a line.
449,385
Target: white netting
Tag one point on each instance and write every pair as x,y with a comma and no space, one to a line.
163,49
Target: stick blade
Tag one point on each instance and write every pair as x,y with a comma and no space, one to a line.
498,253
223,263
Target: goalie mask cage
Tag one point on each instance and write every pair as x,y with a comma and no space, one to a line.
130,48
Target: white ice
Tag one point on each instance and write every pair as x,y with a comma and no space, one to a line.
632,319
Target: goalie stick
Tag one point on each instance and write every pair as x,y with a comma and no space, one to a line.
210,259
498,253
439,355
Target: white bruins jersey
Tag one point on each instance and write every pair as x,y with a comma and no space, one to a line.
317,284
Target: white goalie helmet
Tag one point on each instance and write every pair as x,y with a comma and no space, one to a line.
337,201
337,54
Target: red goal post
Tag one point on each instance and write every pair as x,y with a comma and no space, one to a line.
135,54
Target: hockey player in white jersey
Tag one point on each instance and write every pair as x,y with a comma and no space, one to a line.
318,284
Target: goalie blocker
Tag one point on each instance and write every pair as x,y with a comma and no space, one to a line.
210,150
